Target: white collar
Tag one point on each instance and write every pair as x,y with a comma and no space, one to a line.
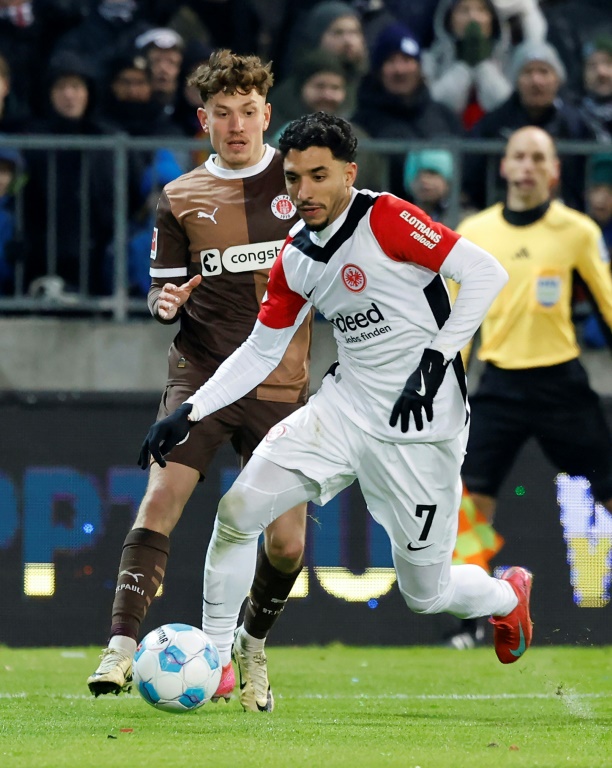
242,173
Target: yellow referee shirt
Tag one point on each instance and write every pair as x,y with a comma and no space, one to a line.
529,325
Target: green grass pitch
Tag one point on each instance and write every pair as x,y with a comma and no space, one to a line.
335,706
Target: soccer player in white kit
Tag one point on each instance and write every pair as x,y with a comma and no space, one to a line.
373,265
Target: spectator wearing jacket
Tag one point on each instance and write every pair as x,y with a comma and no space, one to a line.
572,25
596,104
68,229
538,75
335,27
163,49
130,108
466,65
395,102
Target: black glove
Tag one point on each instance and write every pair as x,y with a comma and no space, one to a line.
164,435
420,390
474,47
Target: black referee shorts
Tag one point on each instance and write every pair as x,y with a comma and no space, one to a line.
557,406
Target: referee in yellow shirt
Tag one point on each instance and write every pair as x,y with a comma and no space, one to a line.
533,384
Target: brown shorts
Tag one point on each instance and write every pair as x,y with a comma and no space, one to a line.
244,423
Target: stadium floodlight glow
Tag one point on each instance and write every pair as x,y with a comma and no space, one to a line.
356,588
300,588
39,579
587,530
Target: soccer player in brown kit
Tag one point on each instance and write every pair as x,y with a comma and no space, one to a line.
218,231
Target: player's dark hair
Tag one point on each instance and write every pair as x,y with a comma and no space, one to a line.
320,130
229,73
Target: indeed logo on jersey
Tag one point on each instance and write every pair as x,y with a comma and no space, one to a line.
240,258
422,233
365,319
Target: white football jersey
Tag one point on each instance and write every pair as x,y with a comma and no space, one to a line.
376,273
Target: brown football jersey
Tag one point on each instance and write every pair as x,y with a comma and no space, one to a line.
229,226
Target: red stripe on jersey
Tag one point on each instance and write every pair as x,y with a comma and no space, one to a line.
406,233
282,305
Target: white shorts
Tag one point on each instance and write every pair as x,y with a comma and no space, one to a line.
412,489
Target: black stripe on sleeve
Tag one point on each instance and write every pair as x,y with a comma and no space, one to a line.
439,302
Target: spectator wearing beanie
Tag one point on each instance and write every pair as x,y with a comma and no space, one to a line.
596,104
318,82
394,101
466,64
163,48
335,27
129,107
71,243
428,174
537,74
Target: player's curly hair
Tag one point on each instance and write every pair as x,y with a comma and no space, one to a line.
229,73
320,130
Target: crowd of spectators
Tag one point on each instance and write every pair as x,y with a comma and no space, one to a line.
397,69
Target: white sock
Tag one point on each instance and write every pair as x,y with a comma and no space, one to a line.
466,591
228,575
252,644
124,644
475,593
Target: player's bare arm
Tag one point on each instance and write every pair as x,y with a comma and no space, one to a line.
172,297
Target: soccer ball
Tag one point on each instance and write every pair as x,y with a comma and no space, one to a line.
176,668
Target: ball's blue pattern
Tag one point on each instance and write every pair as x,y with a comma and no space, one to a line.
211,654
148,692
192,697
175,671
171,659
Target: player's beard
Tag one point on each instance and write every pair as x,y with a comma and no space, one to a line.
317,227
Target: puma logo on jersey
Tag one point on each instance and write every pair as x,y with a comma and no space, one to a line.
211,216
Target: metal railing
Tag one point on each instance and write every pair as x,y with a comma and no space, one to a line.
118,304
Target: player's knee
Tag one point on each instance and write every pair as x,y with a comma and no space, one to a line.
159,510
232,508
286,554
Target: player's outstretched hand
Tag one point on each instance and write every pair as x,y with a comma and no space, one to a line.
164,435
419,392
172,297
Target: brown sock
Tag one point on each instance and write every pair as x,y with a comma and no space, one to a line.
268,596
141,571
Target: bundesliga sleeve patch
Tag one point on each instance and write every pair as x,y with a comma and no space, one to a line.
154,244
